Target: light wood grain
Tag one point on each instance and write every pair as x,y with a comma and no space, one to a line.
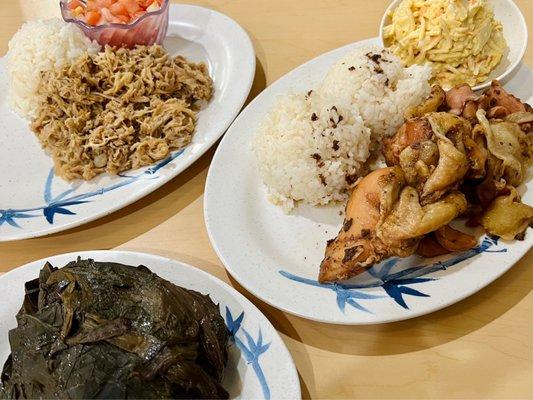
479,348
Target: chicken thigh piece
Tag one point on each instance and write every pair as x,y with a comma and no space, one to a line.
384,218
435,100
413,131
500,102
356,248
461,100
448,138
431,152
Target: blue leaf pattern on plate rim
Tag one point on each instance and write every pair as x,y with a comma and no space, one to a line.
251,350
60,204
396,285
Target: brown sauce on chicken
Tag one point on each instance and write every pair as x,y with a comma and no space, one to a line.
451,142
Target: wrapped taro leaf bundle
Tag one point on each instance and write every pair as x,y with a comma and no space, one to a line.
107,330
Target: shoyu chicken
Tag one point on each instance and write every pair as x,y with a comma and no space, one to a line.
453,147
384,218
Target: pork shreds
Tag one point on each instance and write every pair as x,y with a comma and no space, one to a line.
118,109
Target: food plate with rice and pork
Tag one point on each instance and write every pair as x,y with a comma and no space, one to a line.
369,186
109,103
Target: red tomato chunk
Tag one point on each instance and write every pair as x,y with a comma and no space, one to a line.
100,12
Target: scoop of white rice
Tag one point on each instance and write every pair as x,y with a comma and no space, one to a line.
374,80
39,46
313,147
310,153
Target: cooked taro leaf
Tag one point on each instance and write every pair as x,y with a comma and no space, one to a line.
107,330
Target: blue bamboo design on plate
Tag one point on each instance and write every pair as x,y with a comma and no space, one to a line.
396,285
252,349
62,203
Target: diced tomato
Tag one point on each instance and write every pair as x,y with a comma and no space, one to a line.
145,3
78,11
107,15
91,6
148,3
153,7
73,4
104,3
92,17
138,14
125,19
131,5
118,9
97,12
110,17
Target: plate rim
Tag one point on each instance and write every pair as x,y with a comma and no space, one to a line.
239,297
286,308
247,67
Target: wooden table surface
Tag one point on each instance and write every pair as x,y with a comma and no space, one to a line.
481,347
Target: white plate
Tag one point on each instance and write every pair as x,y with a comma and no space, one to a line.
277,256
259,365
33,202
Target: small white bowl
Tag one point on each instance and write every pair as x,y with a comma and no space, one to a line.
514,32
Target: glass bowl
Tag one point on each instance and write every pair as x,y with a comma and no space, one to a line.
148,29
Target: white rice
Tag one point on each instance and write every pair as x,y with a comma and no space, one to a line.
297,155
39,46
306,153
381,98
